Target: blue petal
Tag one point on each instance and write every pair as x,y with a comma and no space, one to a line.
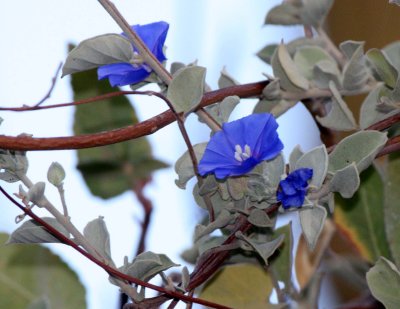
296,200
287,187
153,35
120,74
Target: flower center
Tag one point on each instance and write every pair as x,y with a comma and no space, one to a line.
240,155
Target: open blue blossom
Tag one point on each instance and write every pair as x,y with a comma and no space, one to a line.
292,190
240,146
120,74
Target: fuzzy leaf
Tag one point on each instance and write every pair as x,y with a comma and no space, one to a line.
31,232
294,156
223,219
315,11
31,272
361,218
360,147
273,90
264,249
312,221
340,116
184,166
97,234
355,73
187,88
392,51
317,160
384,282
274,107
306,57
267,52
324,72
345,181
286,70
97,51
259,218
226,80
383,68
284,14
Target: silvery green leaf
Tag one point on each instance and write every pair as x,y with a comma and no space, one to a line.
294,156
382,67
209,243
360,147
295,44
315,11
148,264
325,71
97,234
176,66
317,160
187,88
266,53
306,57
8,177
237,187
392,51
369,112
226,80
56,174
397,2
340,116
185,277
275,107
31,232
312,222
226,107
272,169
259,218
36,193
13,162
355,72
98,51
285,14
264,249
350,47
272,91
184,166
222,220
209,186
286,70
345,181
384,282
216,200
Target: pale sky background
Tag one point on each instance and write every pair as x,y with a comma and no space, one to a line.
220,33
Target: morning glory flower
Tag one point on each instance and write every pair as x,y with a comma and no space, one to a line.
120,74
240,146
292,189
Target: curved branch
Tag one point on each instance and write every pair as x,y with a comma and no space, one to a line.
112,271
127,133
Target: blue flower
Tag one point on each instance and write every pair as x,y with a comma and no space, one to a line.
292,190
240,146
120,74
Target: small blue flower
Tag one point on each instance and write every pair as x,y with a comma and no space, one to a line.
120,74
240,146
292,190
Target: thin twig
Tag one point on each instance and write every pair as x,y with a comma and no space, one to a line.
112,271
53,83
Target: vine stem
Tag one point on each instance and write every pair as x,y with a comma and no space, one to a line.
127,133
109,269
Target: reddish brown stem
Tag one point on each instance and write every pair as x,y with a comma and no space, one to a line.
110,270
127,133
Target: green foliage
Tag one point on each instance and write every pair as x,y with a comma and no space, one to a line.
109,170
241,286
391,201
362,217
312,221
187,88
30,273
97,234
98,51
384,282
31,232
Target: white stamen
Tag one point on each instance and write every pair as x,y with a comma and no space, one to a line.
240,155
